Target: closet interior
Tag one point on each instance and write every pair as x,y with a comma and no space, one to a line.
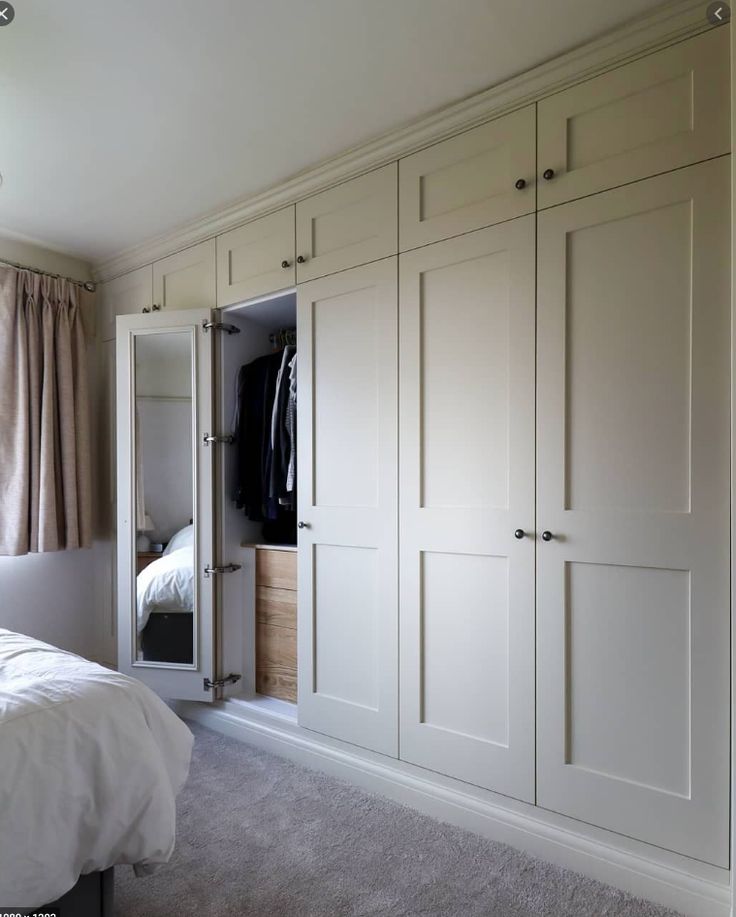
259,483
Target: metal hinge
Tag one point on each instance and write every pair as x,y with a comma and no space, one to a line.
220,326
230,679
226,568
228,440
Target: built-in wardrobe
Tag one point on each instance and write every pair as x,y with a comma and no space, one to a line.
513,452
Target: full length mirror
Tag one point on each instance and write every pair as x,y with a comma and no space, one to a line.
165,592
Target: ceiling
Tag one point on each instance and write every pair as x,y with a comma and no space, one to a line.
126,120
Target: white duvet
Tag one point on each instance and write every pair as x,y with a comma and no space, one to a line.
91,762
167,584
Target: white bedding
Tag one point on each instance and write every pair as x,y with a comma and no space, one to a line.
91,762
167,584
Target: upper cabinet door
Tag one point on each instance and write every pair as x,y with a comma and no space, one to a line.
256,259
633,488
186,280
478,178
125,295
665,111
349,225
348,564
467,486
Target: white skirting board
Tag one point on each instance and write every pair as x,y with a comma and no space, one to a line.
688,886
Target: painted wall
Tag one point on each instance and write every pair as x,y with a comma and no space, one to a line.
51,596
163,373
165,431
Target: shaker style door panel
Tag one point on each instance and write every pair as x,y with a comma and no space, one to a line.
124,295
468,181
633,488
186,280
352,224
256,259
659,113
466,485
348,565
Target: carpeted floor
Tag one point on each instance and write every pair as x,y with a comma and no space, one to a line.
262,837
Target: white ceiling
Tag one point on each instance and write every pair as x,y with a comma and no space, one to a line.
122,120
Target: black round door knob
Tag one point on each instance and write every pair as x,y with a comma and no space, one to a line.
285,263
546,535
548,174
520,184
301,259
303,525
519,533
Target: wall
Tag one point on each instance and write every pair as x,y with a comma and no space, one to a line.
165,435
51,596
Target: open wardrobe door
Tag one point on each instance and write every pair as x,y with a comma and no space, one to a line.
166,563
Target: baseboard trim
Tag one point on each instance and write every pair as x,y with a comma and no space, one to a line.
693,888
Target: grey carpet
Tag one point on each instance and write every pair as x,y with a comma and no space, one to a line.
262,837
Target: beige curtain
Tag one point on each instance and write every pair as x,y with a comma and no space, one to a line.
45,485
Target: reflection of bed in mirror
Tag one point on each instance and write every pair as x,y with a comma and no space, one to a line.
165,602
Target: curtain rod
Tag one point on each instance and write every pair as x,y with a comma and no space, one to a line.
88,285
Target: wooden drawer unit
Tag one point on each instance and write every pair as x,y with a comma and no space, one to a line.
144,558
276,648
481,177
276,567
351,224
665,111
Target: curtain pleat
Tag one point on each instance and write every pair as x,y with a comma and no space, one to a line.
45,466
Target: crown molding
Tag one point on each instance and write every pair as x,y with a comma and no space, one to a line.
665,25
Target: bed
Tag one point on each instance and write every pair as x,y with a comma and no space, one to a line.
165,602
91,763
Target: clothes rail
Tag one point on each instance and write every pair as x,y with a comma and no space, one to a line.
282,338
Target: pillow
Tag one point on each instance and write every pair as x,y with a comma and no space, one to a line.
183,538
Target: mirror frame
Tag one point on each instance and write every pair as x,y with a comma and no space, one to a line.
134,336
170,680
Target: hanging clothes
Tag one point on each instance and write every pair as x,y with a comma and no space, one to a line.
264,443
291,432
278,493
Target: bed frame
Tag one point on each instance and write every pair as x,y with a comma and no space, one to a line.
92,896
168,637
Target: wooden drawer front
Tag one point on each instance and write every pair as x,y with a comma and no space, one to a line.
186,280
276,606
468,181
249,258
276,568
124,295
276,661
351,224
667,110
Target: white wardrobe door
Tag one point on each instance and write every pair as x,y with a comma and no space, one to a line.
348,577
633,485
480,177
186,280
657,113
466,484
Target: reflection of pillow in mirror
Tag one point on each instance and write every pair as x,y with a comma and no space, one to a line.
182,538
